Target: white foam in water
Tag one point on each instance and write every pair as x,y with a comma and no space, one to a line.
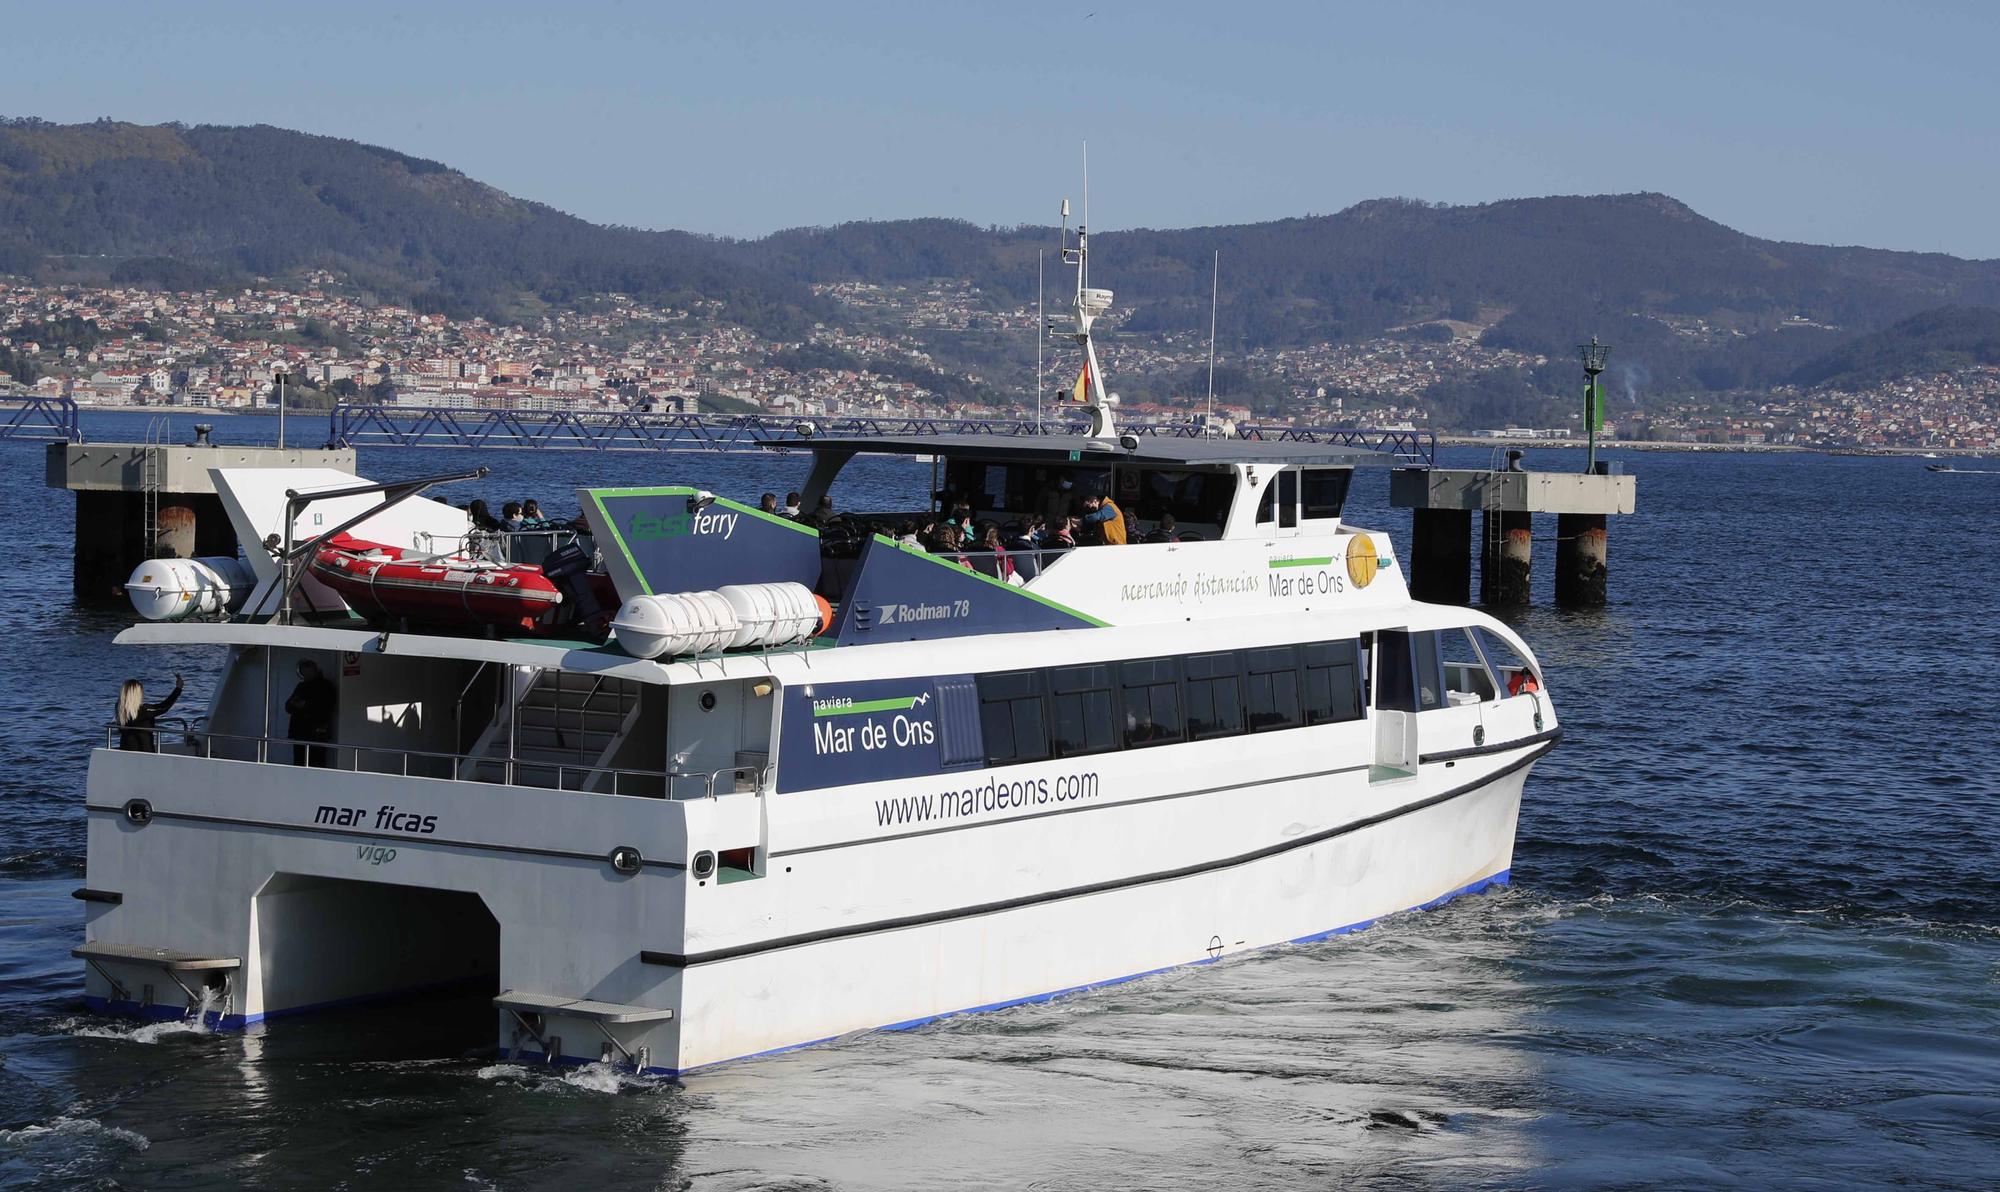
151,1032
499,1071
599,1078
590,1078
68,1132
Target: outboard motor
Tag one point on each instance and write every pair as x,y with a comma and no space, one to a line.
568,568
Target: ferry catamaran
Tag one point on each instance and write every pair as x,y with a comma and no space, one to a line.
713,783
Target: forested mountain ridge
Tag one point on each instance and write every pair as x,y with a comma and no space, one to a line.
1696,304
189,207
1690,296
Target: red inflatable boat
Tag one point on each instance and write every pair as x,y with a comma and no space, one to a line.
373,578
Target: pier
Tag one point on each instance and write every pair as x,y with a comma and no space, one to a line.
1507,498
139,501
1443,500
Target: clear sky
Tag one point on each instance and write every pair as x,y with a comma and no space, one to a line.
1829,122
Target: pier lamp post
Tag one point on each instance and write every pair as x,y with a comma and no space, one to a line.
1593,354
279,376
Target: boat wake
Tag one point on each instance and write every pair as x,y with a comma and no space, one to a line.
196,1023
589,1078
66,1151
150,1032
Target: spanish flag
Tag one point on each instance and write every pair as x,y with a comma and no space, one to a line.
1082,391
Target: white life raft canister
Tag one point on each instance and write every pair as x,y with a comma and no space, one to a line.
735,617
175,589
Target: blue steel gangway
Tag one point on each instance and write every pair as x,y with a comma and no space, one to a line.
41,418
361,425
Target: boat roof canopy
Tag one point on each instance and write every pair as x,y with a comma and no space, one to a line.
1160,450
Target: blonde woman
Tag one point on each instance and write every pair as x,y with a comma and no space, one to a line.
136,717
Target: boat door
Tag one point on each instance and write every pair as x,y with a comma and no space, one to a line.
1395,706
1431,690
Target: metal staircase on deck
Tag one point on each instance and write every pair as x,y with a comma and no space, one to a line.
566,727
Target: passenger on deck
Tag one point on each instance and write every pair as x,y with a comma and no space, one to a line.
137,719
1168,530
768,503
949,542
1521,682
531,515
906,535
1030,537
1102,514
1002,566
822,516
311,708
510,517
482,517
791,507
1056,500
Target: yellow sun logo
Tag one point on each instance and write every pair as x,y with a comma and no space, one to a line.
1361,561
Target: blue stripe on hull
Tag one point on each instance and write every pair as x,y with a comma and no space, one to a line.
237,1021
1484,883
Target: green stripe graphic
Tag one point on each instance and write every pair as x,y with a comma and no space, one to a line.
873,705
1301,562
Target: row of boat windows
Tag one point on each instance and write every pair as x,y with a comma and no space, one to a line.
1067,711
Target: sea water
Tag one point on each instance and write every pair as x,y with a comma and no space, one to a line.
1751,937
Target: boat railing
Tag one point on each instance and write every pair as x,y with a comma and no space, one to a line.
274,749
758,777
506,547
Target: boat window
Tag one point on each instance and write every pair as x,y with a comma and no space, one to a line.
1214,696
1152,701
990,487
1080,710
1465,672
1505,663
1430,671
1194,498
1325,491
1395,685
1012,718
1271,688
1288,498
1332,682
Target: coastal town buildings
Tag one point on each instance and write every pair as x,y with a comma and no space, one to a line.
132,346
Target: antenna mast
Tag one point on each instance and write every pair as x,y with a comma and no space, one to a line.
1089,304
1214,290
1041,333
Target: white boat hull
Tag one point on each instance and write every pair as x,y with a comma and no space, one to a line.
232,865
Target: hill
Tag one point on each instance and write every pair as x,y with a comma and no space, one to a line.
1934,341
1687,303
1704,306
191,207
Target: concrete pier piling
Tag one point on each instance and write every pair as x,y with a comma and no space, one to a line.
1443,500
1582,542
1440,566
139,501
1507,559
